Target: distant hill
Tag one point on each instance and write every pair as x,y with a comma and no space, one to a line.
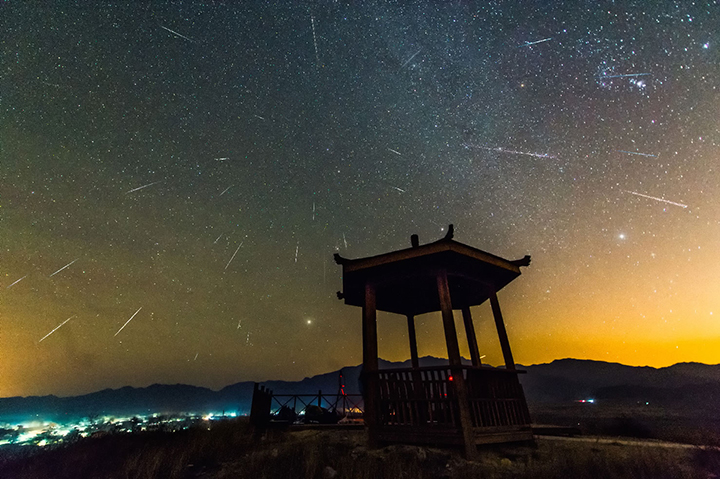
680,385
685,385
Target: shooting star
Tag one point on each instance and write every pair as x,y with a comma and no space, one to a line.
624,75
56,272
297,248
514,152
16,282
396,152
143,186
527,44
126,322
313,211
636,153
196,355
410,59
258,116
222,159
50,84
396,188
239,324
218,238
178,34
656,198
233,256
48,334
225,191
317,57
344,241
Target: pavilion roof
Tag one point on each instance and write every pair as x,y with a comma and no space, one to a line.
405,280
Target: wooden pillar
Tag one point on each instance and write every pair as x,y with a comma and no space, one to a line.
413,341
502,334
370,363
461,392
420,406
448,319
472,339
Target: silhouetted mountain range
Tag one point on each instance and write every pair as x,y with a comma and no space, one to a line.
685,385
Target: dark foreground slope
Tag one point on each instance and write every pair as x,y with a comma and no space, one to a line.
229,450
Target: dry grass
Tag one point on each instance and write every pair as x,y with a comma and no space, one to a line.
683,426
318,454
229,450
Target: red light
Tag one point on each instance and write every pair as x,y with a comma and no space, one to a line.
450,378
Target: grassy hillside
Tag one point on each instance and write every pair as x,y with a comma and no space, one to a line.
229,450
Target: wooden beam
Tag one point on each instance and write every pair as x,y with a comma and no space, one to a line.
413,341
472,339
502,333
370,363
458,380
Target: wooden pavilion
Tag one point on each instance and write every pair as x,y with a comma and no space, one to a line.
454,404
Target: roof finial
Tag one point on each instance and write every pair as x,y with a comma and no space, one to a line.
415,241
525,261
450,233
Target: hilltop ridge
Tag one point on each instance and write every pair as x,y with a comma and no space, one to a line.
692,385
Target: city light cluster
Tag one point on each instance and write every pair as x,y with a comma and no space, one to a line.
45,433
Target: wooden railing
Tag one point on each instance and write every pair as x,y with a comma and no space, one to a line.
426,396
344,404
496,398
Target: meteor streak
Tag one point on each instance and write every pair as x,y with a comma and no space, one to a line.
56,272
527,44
317,56
636,153
514,152
144,186
178,34
624,75
48,334
126,322
410,59
16,282
233,256
656,198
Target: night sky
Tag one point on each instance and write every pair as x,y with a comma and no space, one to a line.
193,167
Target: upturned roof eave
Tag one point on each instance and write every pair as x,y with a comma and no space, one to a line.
352,265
